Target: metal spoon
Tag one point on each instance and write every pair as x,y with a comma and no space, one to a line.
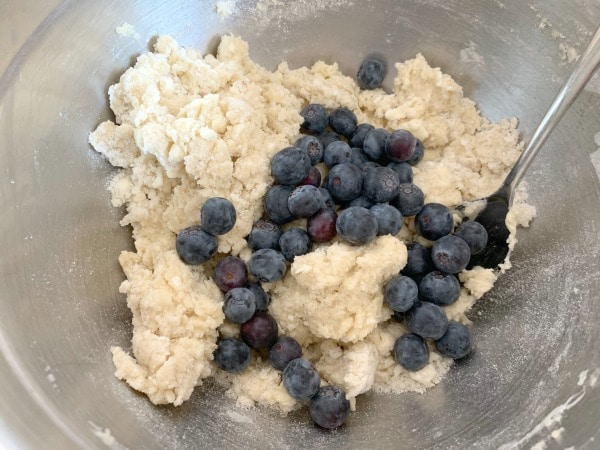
494,208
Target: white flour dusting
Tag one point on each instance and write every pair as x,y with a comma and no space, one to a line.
470,55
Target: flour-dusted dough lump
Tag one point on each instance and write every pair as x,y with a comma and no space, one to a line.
189,127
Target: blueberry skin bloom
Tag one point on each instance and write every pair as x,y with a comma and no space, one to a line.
290,166
439,288
450,254
217,216
426,320
411,352
195,246
315,118
410,199
343,121
275,203
232,355
267,265
344,182
312,146
434,221
305,200
329,407
474,234
239,305
401,293
381,184
456,342
371,72
357,225
389,219
294,242
301,379
283,351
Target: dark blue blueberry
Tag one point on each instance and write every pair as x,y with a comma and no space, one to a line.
456,342
381,184
261,298
474,234
290,166
434,221
363,201
194,245
301,379
260,331
230,273
313,178
440,288
239,305
410,199
400,293
450,254
232,355
327,137
217,216
374,143
275,203
389,219
336,153
329,407
312,146
327,198
372,72
344,182
418,262
294,242
411,352
315,118
264,234
321,226
427,320
356,225
403,170
418,154
304,201
367,166
400,145
283,351
267,265
358,156
358,137
343,121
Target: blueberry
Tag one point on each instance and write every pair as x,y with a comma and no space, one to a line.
400,293
327,137
381,184
267,265
367,166
372,72
400,145
456,342
344,182
313,178
410,199
411,352
329,407
434,221
301,379
304,201
336,153
374,143
312,146
294,242
239,305
327,198
358,156
450,254
290,166
418,154
343,121
440,288
403,170
427,320
230,273
283,351
232,355
321,226
357,225
363,201
275,203
264,234
474,234
261,298
217,216
419,261
195,246
315,118
260,331
389,219
359,134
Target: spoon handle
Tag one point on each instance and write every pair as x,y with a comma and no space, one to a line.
580,75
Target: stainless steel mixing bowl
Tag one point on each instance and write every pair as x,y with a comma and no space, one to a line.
532,379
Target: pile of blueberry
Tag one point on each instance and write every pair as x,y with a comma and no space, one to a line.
368,191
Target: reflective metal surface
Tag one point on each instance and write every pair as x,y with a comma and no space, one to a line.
533,376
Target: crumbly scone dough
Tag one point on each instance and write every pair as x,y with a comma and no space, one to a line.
188,127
